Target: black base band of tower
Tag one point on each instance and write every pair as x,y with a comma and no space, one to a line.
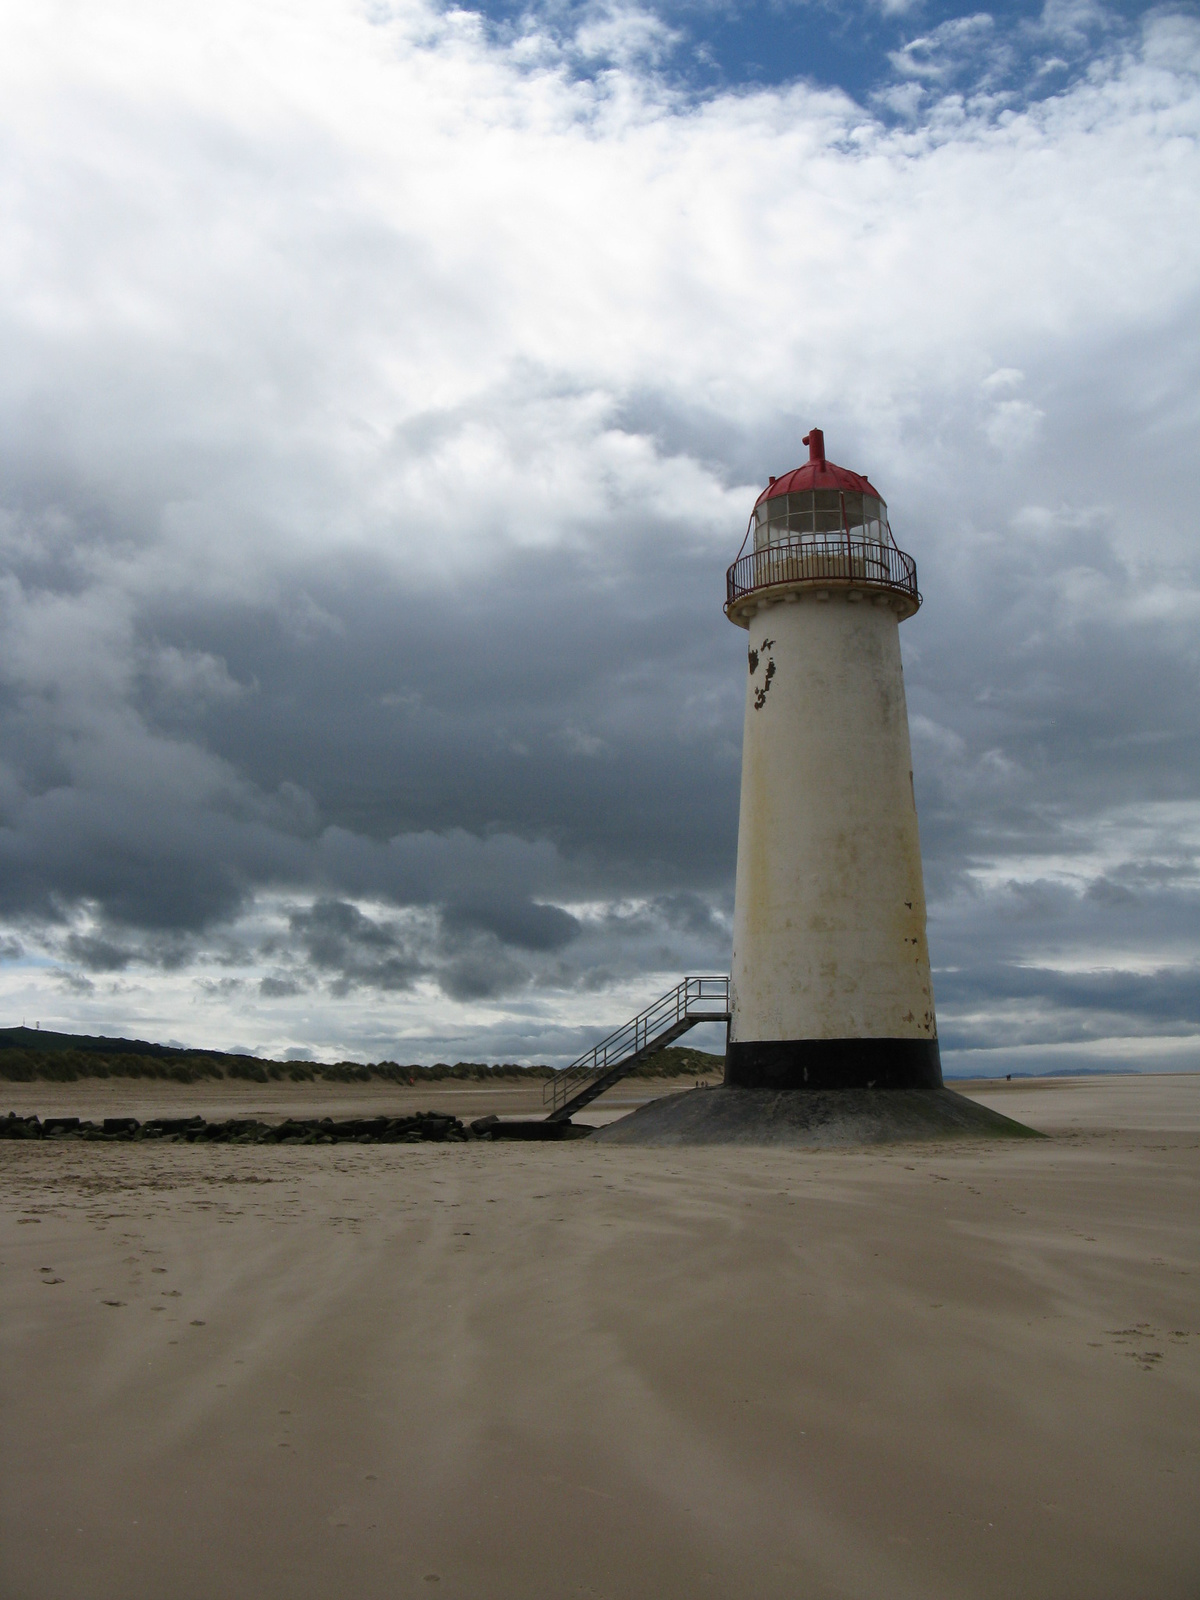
833,1064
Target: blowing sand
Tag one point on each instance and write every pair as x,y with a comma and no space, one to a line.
574,1370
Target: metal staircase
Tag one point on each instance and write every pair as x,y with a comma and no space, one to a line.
692,1001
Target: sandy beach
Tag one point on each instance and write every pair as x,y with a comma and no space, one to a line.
536,1371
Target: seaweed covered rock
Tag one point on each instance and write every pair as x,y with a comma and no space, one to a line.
422,1127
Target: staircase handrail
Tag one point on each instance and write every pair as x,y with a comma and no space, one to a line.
637,1035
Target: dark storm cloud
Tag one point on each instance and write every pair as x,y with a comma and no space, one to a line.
1083,1005
692,914
528,924
145,860
97,955
281,987
538,703
354,950
402,751
483,971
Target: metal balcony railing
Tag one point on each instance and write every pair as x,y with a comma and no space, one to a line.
836,559
701,999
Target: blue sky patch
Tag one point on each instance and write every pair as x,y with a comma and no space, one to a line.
893,56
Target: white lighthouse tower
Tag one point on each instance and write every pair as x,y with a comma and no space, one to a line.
830,982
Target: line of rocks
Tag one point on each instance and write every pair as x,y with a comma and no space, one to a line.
423,1127
426,1127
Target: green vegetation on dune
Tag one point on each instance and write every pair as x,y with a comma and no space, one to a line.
66,1066
677,1061
31,1056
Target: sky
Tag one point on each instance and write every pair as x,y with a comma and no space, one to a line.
384,390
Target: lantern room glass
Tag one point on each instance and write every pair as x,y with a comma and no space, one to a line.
787,518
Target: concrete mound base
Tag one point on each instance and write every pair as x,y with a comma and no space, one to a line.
820,1119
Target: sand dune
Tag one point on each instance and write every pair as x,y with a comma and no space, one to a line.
557,1370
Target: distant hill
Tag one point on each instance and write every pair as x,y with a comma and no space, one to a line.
31,1055
42,1041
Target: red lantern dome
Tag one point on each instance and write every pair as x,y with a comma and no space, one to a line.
817,473
819,498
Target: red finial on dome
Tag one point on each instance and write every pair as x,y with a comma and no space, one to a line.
817,473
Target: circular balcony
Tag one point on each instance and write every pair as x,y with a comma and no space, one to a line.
822,564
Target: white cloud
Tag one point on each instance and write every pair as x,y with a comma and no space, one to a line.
935,55
1003,380
1013,425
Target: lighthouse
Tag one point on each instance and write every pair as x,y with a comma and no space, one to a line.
832,1039
831,986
